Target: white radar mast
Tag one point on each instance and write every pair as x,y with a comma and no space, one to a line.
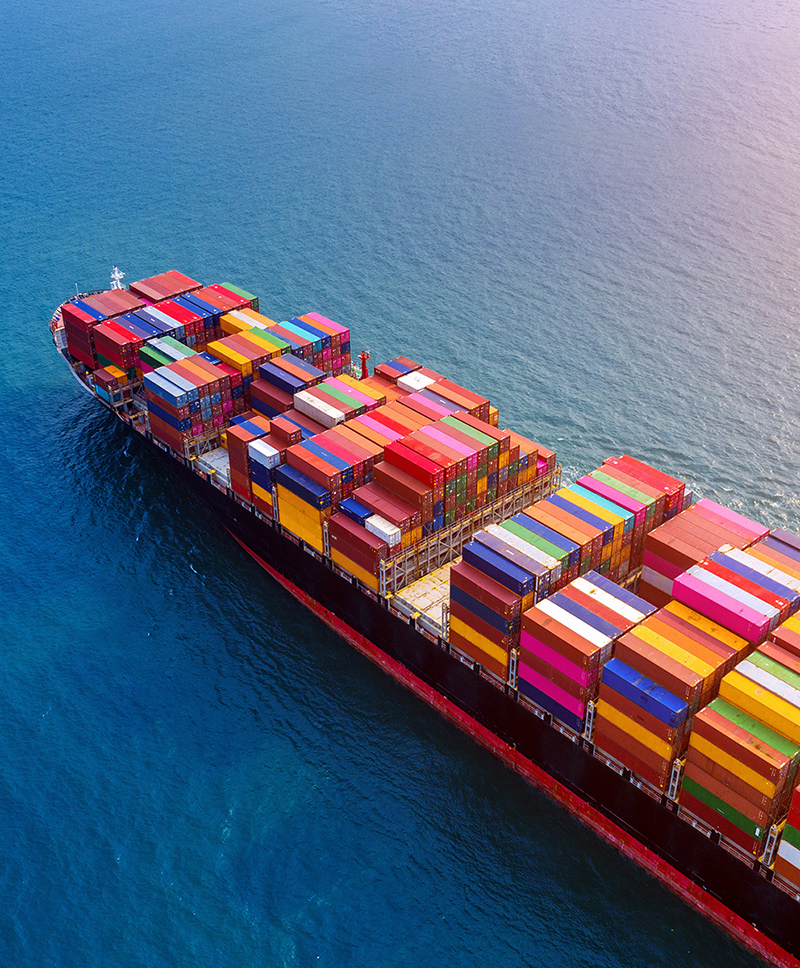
116,278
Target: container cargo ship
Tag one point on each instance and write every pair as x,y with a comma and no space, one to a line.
630,651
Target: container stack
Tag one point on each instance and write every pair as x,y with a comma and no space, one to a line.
622,520
739,598
117,346
303,504
780,550
567,639
186,400
321,465
112,385
279,380
224,300
166,285
587,538
686,539
192,321
550,544
787,863
339,360
484,616
238,437
80,316
264,460
400,522
662,673
356,549
739,773
761,696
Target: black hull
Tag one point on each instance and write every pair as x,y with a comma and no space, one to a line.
713,876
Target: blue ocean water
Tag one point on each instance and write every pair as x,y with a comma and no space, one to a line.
587,211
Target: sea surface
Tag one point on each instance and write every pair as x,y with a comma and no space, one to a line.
589,211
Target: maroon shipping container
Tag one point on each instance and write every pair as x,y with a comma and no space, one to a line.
661,668
270,396
177,282
151,289
470,402
352,540
606,729
406,487
656,777
305,422
315,467
486,591
78,318
114,302
380,501
502,640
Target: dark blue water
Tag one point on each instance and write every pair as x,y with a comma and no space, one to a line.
588,211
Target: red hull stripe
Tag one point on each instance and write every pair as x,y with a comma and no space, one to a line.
677,882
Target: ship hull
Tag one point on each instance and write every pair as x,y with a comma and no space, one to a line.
740,899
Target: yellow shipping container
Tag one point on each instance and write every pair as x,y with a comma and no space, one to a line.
230,356
230,324
708,625
698,666
492,650
761,704
342,561
481,485
659,746
494,416
503,460
753,779
265,496
287,499
598,511
362,387
301,527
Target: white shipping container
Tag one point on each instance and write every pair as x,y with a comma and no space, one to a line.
317,410
628,612
384,529
264,454
414,382
657,580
